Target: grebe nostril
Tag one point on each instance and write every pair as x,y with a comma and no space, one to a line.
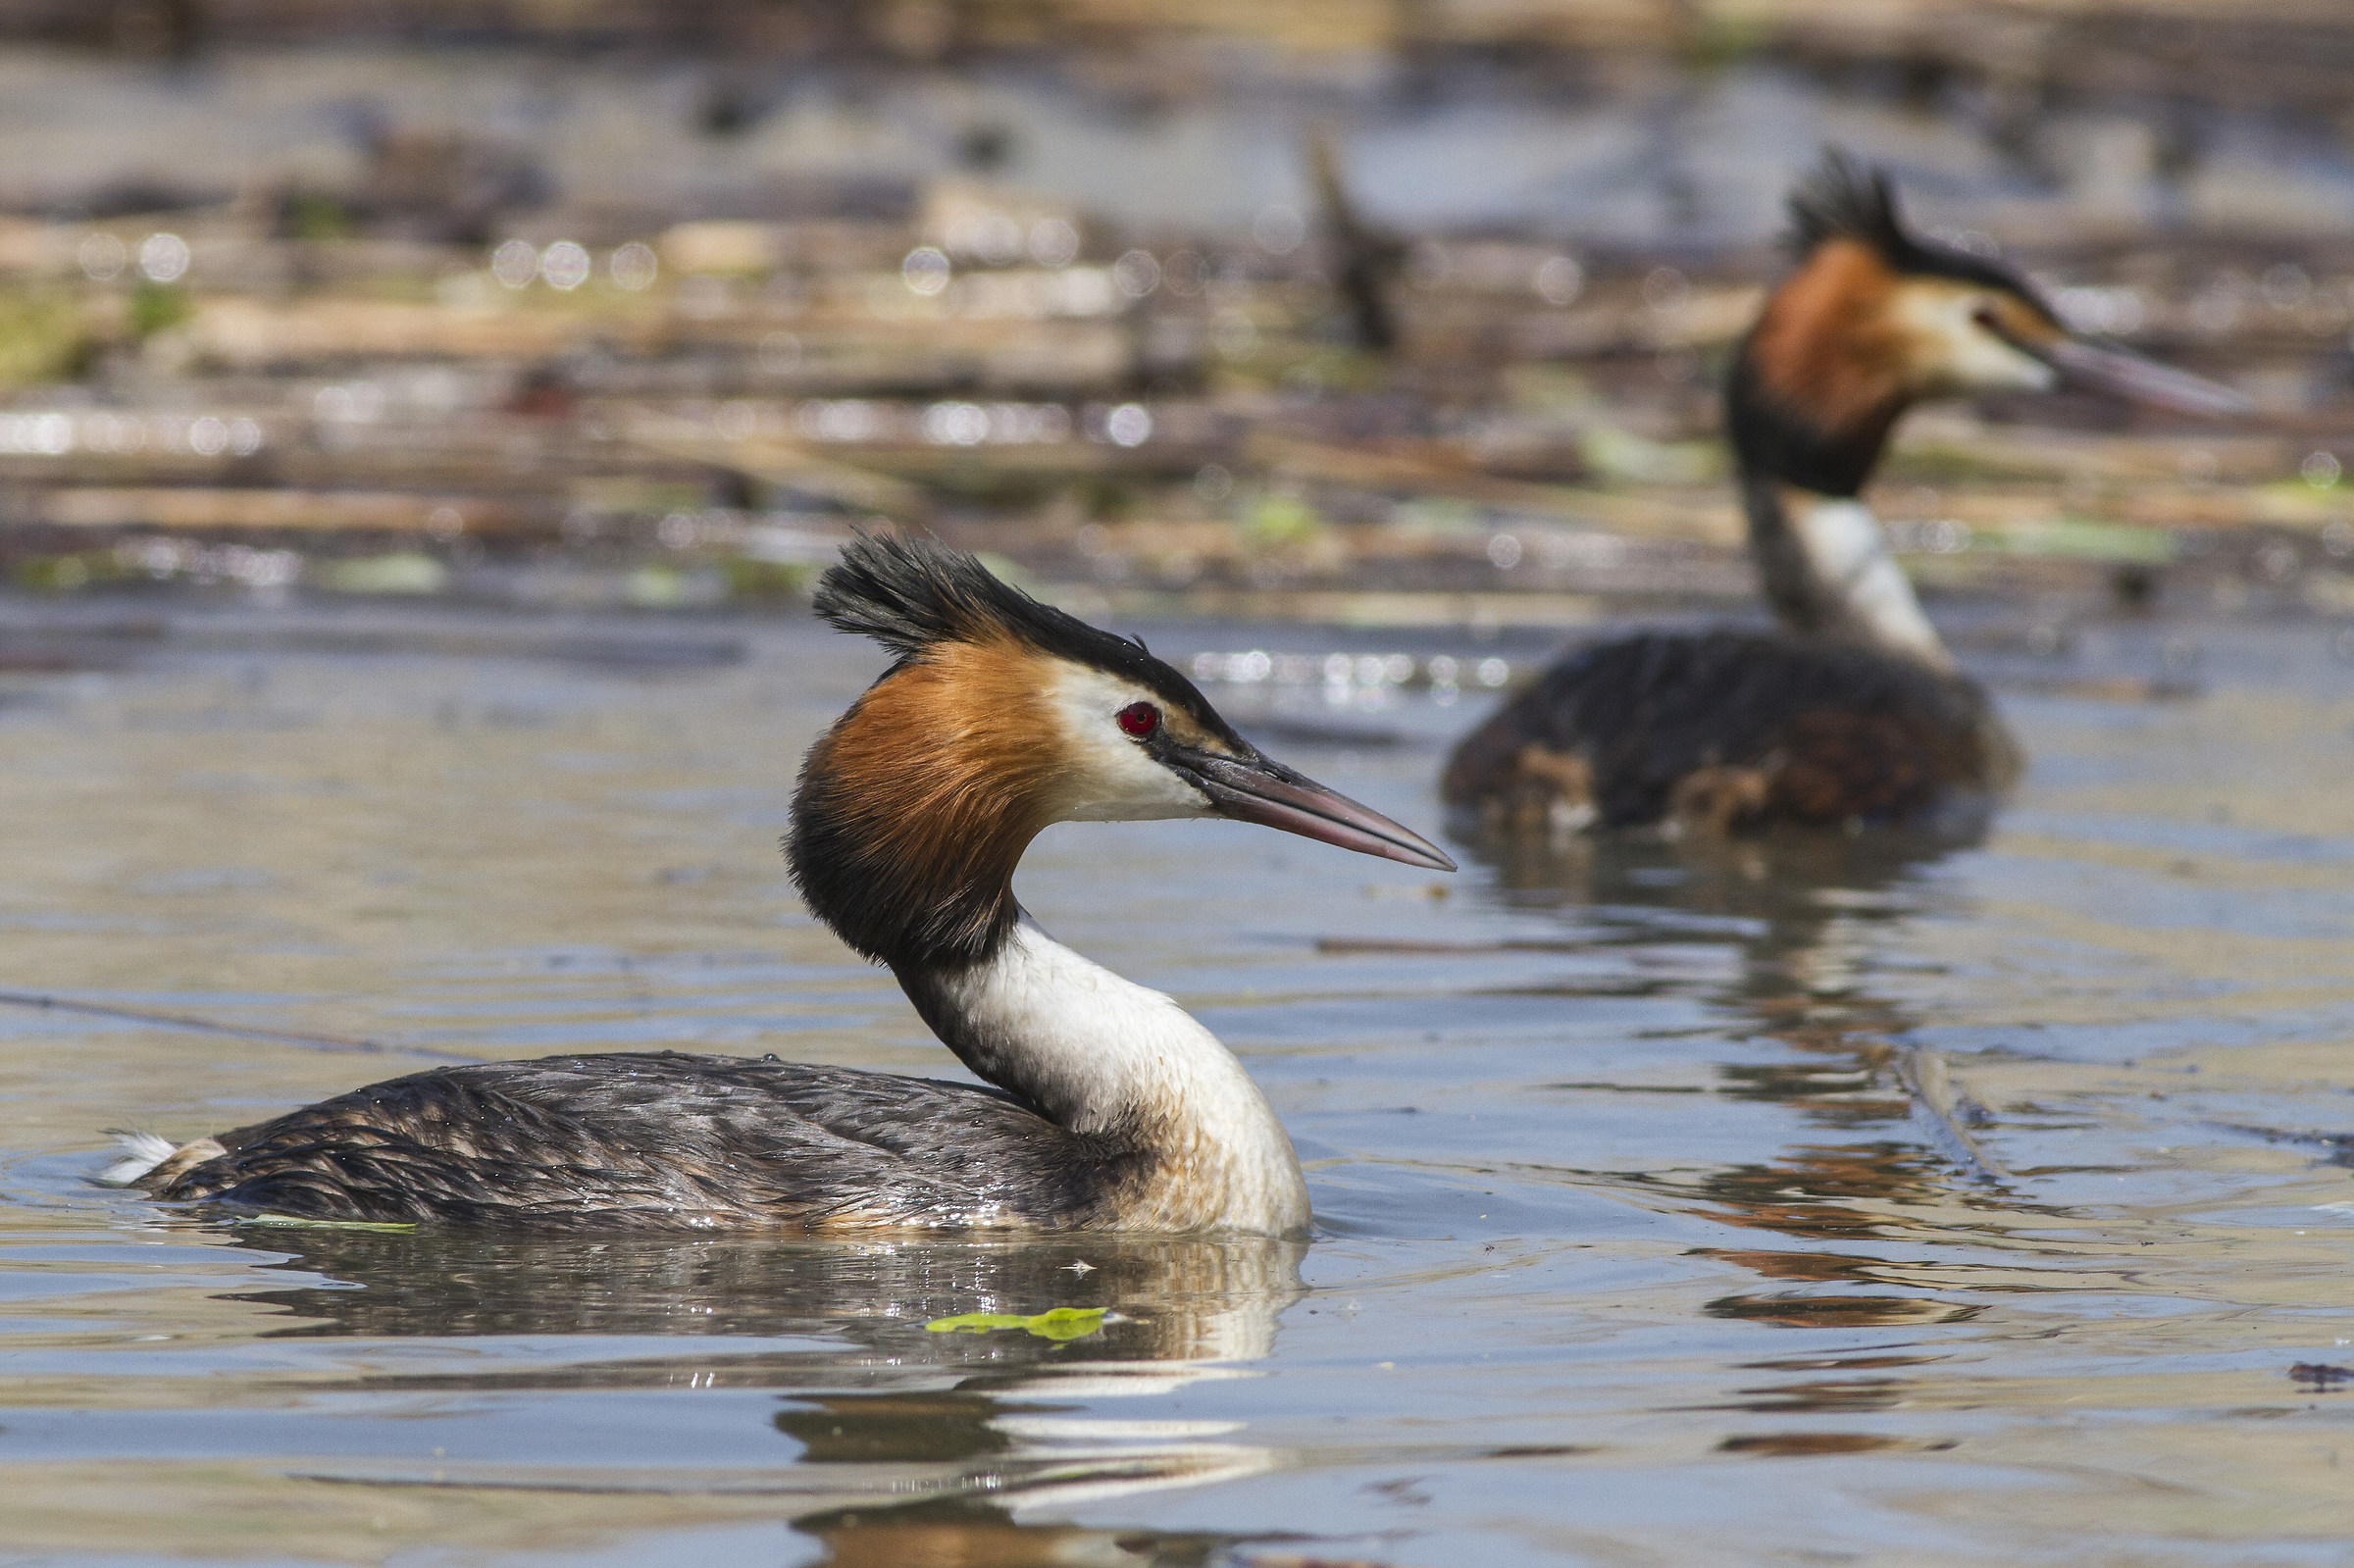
1107,1107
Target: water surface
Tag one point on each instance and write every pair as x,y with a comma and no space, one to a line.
1633,1246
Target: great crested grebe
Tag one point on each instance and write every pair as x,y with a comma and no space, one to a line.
1853,709
1112,1108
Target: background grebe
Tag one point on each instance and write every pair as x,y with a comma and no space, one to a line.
1853,709
1112,1110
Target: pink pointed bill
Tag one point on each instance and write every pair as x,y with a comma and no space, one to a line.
2141,380
1274,796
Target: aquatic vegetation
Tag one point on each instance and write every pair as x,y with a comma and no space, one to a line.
44,336
1056,1323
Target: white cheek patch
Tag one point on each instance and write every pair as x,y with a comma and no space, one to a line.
1110,777
1952,353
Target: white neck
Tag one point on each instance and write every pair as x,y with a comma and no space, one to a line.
1103,1056
1849,558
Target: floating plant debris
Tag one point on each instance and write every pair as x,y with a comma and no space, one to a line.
1056,1323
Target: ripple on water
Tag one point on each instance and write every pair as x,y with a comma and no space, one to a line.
1637,1233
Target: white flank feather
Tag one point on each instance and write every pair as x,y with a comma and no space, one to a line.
141,1152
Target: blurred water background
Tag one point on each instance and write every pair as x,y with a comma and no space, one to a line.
1308,314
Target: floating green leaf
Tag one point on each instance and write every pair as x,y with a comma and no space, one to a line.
159,307
402,571
1057,1323
750,579
43,336
2080,540
1628,458
1278,518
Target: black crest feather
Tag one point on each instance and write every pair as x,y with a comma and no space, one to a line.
1843,199
909,594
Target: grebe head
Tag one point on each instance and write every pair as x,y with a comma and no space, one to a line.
1876,319
999,717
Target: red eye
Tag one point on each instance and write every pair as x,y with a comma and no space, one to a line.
1138,718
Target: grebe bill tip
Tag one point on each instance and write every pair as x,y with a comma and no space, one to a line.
2104,368
1258,790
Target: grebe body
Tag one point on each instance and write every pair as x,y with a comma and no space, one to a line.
1105,1106
1729,731
1852,710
